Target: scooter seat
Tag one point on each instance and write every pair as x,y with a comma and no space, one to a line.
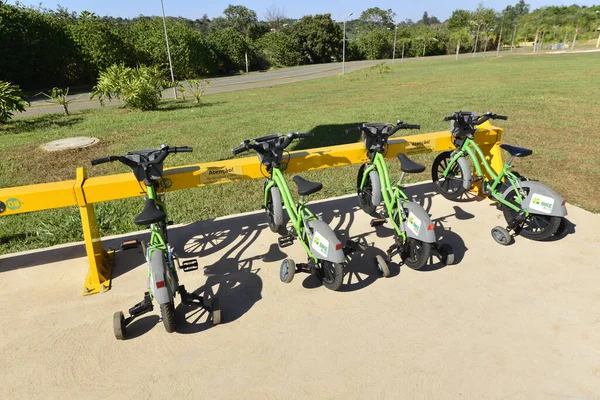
150,215
516,151
306,187
409,166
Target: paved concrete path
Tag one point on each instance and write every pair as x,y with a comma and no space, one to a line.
516,322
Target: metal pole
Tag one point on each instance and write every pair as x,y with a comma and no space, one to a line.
457,48
476,39
598,42
344,46
394,52
168,48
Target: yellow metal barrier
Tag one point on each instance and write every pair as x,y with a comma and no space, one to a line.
84,192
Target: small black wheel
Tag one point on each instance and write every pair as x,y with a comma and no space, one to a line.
332,275
167,312
119,325
562,228
215,312
501,236
535,227
382,266
446,254
416,253
451,186
287,270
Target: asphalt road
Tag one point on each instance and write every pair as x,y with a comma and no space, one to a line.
39,105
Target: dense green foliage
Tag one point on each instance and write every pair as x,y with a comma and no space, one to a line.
44,48
139,87
11,99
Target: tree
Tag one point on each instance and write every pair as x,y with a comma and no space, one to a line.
99,44
275,17
427,20
376,17
240,18
319,38
231,48
376,44
279,49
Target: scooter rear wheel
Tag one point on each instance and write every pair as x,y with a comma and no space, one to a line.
119,325
416,253
535,227
167,312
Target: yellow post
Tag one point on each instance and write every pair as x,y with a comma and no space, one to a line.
491,149
100,260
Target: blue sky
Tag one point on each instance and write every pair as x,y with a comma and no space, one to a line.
294,9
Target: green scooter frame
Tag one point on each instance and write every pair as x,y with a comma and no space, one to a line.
414,232
326,253
530,208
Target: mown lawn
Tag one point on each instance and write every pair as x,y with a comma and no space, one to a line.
553,104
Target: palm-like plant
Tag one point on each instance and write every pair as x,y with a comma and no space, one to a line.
11,99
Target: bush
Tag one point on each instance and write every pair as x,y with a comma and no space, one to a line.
11,99
376,44
139,87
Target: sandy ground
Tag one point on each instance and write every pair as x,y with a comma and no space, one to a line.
516,322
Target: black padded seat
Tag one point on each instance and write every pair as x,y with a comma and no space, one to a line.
409,166
150,215
306,187
516,151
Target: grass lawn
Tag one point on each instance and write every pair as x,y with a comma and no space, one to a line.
553,104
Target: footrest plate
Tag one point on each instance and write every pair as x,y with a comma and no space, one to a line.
285,241
130,244
377,222
189,265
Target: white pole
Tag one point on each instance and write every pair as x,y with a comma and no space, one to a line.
246,55
513,41
394,52
344,46
476,39
598,42
499,40
457,48
401,61
168,48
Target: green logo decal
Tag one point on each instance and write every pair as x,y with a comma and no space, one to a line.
165,183
13,204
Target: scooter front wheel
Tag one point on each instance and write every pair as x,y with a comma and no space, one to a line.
382,266
167,312
332,275
450,186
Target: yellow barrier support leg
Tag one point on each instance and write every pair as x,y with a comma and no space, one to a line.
493,155
100,260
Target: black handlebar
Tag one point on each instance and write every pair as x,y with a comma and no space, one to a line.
396,128
164,152
474,119
259,147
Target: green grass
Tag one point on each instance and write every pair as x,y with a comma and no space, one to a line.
553,104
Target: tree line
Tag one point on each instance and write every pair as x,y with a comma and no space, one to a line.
43,48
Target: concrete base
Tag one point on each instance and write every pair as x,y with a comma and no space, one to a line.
70,143
516,322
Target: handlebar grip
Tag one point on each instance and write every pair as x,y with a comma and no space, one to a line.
450,118
101,160
184,149
240,149
409,126
502,117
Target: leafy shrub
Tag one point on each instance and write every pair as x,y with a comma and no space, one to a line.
60,97
197,88
11,99
279,49
382,68
139,87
